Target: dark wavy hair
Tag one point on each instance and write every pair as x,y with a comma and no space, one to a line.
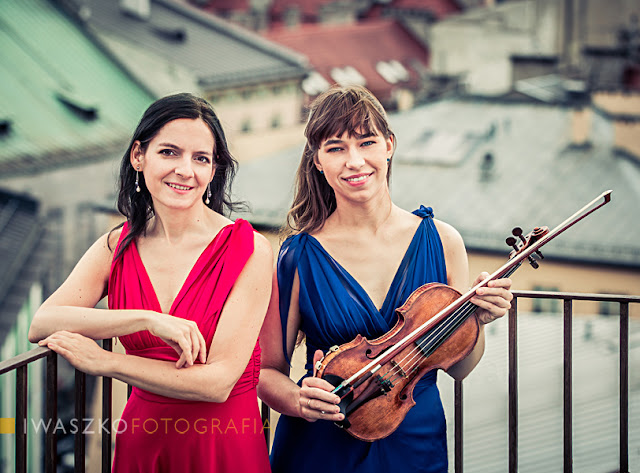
137,207
351,109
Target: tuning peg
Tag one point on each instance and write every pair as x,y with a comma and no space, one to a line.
518,232
540,255
533,262
512,243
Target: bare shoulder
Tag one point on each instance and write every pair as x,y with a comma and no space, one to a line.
262,247
111,239
450,237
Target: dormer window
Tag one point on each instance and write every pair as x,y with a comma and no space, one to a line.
347,76
5,127
392,71
78,105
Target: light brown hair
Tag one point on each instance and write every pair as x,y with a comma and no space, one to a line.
353,110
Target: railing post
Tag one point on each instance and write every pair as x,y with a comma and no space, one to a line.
624,387
265,412
50,458
567,373
106,415
513,387
21,419
80,411
458,426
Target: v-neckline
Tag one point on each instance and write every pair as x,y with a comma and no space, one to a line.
179,294
355,281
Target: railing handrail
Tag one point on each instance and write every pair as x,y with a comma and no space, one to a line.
23,359
577,296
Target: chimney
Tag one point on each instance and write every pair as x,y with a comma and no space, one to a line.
580,127
622,109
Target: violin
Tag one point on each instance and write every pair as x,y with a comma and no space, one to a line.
436,328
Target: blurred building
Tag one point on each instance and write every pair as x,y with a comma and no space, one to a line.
489,49
67,115
381,55
382,45
486,167
26,257
170,46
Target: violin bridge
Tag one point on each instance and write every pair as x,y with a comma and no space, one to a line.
399,369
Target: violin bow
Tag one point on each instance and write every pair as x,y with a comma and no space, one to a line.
520,253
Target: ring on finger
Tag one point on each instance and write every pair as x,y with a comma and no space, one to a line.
322,412
308,403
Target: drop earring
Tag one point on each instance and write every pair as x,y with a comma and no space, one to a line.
208,199
137,180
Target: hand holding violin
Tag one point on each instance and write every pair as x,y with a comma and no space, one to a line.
493,300
316,399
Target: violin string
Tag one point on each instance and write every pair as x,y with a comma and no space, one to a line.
422,350
417,351
457,318
427,345
446,327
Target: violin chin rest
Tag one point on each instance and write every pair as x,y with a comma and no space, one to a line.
344,402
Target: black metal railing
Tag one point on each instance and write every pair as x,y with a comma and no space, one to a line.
20,365
567,299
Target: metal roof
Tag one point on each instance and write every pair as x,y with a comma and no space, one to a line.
62,98
217,52
533,178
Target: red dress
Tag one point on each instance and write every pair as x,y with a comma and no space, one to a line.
162,434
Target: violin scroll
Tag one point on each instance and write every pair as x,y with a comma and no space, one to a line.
525,242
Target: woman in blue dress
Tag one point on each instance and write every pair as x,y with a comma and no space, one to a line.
352,259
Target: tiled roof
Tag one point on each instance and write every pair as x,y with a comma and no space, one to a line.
362,46
217,52
62,99
533,179
23,252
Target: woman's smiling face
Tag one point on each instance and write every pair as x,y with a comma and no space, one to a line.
355,166
178,163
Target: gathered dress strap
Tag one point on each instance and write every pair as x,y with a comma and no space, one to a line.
286,270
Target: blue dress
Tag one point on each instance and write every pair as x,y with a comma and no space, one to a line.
334,309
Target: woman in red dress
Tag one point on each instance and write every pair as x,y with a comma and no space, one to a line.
188,290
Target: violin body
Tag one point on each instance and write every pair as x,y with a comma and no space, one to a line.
377,406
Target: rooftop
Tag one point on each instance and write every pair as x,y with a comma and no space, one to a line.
380,54
486,168
217,53
62,100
